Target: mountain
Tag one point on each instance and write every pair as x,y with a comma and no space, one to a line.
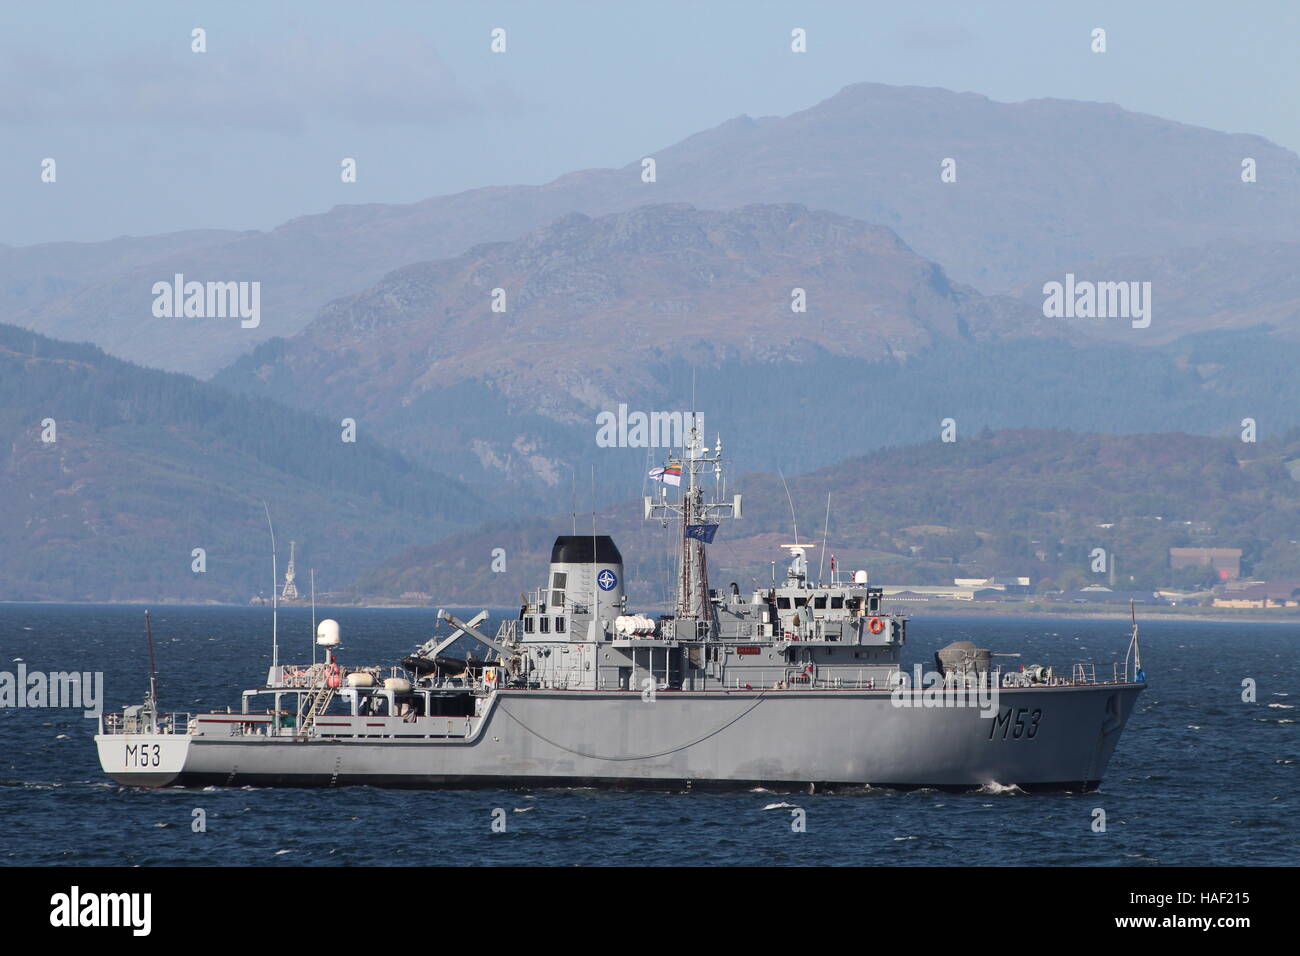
1042,187
619,309
606,292
1226,285
143,467
30,275
1021,502
653,306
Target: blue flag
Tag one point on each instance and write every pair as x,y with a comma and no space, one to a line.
704,532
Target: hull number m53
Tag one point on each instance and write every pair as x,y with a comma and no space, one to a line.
1015,723
143,755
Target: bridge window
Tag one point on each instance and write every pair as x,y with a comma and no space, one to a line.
528,625
559,625
837,602
800,601
819,602
783,603
545,623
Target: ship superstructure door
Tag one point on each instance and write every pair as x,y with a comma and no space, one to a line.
563,666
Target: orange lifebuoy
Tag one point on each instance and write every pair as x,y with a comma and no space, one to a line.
875,625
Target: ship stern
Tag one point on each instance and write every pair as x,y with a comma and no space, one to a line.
143,760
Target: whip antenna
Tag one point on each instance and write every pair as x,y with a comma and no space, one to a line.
793,520
153,670
275,603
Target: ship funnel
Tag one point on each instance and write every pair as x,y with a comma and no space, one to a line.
585,569
327,633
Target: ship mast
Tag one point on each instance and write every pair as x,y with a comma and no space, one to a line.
695,509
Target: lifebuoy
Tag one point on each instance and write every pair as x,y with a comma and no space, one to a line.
875,625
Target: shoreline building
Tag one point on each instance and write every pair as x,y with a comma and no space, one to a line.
1226,562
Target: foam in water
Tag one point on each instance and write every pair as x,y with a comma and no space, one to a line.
998,788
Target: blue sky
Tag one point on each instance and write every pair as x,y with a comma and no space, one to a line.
149,137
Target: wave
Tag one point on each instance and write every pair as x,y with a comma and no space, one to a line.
999,788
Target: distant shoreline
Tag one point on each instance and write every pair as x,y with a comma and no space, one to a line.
917,610
1223,616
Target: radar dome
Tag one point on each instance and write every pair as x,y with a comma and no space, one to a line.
327,633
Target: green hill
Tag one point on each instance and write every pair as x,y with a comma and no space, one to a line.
1032,503
146,466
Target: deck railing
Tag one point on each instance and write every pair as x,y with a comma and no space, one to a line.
1084,674
176,723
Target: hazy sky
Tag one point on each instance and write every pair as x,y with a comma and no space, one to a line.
149,137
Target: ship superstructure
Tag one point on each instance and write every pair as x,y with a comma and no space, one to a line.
797,684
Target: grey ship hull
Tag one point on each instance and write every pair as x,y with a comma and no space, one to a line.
779,739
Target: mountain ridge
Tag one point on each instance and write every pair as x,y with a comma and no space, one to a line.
1091,182
596,308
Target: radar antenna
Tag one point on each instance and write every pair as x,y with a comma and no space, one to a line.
696,514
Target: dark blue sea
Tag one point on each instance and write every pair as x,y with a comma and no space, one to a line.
1200,778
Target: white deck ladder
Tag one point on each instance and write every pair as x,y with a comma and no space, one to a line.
317,702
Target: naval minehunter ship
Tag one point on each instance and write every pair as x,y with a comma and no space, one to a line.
798,685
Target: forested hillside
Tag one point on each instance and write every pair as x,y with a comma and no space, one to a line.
146,466
1032,503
